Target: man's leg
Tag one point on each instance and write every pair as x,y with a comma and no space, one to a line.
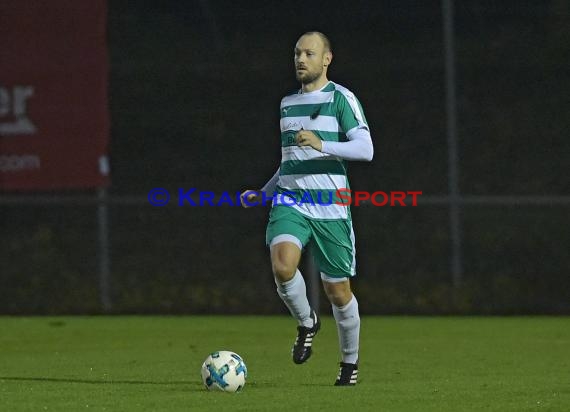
335,256
287,232
285,257
346,315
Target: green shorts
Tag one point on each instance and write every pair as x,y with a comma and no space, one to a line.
331,241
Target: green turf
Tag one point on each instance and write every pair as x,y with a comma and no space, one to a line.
407,364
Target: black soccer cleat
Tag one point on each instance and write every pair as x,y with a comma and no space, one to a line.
302,348
347,375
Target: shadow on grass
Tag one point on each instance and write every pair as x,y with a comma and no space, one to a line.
191,386
91,381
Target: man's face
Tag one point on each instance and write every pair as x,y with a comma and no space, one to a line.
310,58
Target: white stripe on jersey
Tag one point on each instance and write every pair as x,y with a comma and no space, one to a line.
315,97
321,123
304,153
324,211
310,182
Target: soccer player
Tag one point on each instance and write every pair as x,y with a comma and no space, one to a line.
322,126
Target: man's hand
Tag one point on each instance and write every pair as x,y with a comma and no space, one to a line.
308,138
250,198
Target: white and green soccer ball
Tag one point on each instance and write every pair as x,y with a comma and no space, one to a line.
225,371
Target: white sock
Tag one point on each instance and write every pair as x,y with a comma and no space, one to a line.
348,326
294,295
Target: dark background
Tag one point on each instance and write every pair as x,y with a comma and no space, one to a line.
194,100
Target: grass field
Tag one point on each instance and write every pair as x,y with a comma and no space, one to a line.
407,364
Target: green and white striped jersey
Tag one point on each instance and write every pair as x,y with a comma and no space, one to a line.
313,177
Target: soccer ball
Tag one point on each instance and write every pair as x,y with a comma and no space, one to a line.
225,371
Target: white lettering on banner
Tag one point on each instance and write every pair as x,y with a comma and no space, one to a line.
16,163
13,106
104,165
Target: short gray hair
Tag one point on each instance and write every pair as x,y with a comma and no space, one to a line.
324,38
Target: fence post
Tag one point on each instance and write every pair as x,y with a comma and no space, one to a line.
314,280
451,126
103,259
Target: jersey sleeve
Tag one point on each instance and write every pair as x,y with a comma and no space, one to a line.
349,112
353,124
271,185
358,147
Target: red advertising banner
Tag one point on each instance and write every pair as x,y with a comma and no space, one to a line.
54,120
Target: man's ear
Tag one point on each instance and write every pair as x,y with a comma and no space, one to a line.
327,59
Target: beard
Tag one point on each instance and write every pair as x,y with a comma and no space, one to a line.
308,77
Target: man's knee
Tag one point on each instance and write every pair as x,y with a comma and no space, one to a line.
283,270
285,258
339,294
340,299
